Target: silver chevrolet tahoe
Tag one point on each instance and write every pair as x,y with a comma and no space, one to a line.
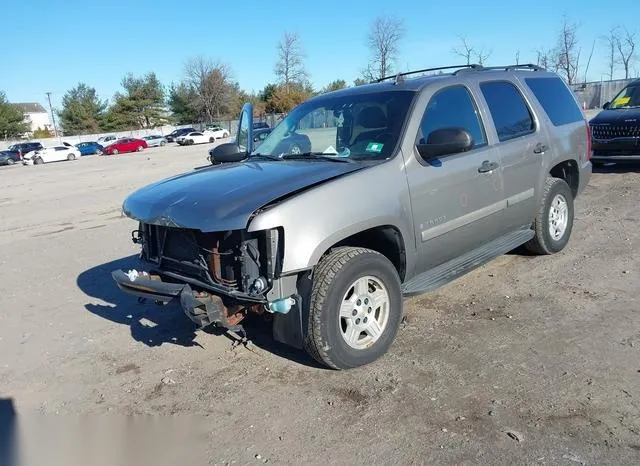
360,197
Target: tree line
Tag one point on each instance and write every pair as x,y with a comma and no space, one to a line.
208,91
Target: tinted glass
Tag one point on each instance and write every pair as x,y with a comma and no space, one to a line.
453,107
508,109
556,99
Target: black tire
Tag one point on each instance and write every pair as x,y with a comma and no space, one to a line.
332,278
543,243
38,161
71,157
10,161
212,139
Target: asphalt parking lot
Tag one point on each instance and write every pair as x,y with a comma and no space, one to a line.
528,360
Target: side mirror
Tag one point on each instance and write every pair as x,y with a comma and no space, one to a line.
445,141
606,105
225,153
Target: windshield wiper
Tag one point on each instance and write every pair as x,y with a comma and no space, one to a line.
318,156
265,156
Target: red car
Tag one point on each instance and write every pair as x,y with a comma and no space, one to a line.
125,145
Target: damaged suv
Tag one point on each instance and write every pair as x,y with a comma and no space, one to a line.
401,186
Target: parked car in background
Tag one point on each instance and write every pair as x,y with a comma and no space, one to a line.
218,131
51,154
15,152
259,135
260,125
155,140
106,140
616,129
125,145
196,137
8,158
171,137
90,148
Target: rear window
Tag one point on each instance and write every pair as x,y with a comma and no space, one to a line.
556,99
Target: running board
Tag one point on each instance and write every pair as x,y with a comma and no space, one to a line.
455,268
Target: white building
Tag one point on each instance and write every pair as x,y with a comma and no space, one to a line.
35,115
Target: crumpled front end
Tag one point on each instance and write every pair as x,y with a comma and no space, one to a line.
217,277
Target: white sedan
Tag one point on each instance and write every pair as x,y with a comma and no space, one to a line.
51,154
217,131
196,137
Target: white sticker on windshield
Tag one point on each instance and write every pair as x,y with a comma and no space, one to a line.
329,150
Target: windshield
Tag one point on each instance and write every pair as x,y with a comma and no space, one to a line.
357,126
627,98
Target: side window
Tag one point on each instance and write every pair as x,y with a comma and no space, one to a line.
453,107
556,99
509,111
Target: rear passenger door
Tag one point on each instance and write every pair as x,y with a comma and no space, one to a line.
521,143
456,199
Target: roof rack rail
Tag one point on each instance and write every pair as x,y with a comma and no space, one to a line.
398,77
524,66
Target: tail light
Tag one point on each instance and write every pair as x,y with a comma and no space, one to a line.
588,140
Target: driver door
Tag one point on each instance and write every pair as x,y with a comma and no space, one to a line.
456,198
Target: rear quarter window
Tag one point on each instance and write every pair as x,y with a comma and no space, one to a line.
556,100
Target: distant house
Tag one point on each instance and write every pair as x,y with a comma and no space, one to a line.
35,115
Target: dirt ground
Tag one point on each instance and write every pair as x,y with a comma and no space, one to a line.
528,360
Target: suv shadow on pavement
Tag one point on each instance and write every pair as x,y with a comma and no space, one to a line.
171,325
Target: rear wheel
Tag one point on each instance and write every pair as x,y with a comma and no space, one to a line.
355,308
114,151
10,161
38,161
554,220
162,143
212,139
98,152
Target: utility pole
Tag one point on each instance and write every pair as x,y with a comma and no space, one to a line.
53,117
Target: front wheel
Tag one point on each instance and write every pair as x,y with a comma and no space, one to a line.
212,139
98,152
554,219
71,157
38,161
10,161
355,308
139,149
114,151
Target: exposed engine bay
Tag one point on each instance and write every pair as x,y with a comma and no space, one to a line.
218,277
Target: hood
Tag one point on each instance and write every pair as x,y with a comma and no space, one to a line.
223,197
623,116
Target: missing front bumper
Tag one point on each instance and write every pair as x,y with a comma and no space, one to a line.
202,308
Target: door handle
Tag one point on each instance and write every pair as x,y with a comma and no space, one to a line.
540,148
487,166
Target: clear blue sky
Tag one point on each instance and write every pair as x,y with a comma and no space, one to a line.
53,45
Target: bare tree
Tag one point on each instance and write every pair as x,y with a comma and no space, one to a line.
383,40
211,83
483,56
626,45
567,51
517,57
611,41
466,51
290,68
